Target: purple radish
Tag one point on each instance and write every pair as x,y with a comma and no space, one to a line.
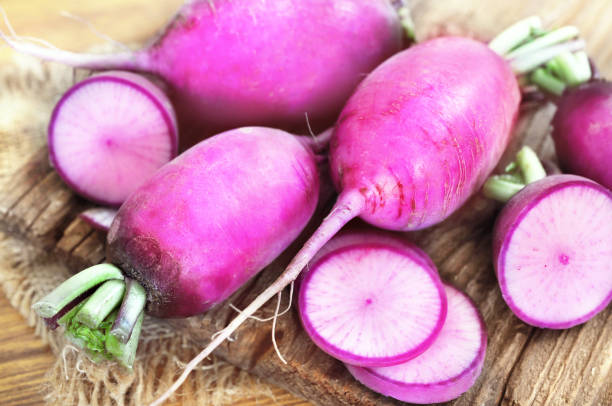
446,369
99,217
416,139
109,133
552,245
583,131
232,63
371,299
191,235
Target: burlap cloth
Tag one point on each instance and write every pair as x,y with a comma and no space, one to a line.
28,91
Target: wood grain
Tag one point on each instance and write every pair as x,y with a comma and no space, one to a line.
524,365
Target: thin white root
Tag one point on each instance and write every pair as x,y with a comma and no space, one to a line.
271,317
94,30
67,347
278,302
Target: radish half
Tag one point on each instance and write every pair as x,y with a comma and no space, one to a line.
552,251
372,300
446,369
109,133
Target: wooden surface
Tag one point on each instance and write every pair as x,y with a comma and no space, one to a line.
524,365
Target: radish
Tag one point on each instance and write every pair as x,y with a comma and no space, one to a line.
109,133
190,236
552,244
446,369
415,140
371,299
99,217
583,131
232,63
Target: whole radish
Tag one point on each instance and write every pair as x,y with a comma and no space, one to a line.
419,135
122,127
230,63
190,236
448,368
582,131
372,299
552,245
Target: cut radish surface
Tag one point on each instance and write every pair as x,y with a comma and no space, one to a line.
446,369
368,302
553,251
99,217
109,133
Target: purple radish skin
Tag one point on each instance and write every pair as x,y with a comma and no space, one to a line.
99,217
582,131
445,370
233,63
372,300
552,249
109,133
415,140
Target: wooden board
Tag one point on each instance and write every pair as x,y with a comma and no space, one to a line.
523,366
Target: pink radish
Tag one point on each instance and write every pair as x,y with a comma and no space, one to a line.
191,235
551,246
583,131
231,63
420,134
99,217
109,133
372,299
446,369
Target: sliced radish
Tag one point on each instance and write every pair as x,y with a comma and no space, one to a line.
99,217
372,300
553,251
109,133
446,369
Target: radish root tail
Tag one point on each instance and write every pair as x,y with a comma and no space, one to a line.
348,206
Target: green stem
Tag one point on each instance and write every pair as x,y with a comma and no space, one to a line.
554,37
407,23
101,303
125,353
548,82
529,164
501,189
529,61
515,35
132,306
526,169
65,293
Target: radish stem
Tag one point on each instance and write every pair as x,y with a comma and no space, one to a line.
515,35
125,353
554,37
547,81
529,164
101,303
73,287
501,189
132,306
530,61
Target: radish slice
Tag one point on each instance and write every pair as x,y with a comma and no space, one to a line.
552,251
447,369
368,302
99,217
109,133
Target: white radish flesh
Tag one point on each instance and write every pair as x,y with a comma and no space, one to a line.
370,303
109,133
99,217
444,371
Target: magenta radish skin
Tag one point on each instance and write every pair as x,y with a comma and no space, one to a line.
582,131
372,299
109,133
552,248
232,63
445,370
99,217
213,217
424,130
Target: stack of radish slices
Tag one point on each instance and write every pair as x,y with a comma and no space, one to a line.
377,303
